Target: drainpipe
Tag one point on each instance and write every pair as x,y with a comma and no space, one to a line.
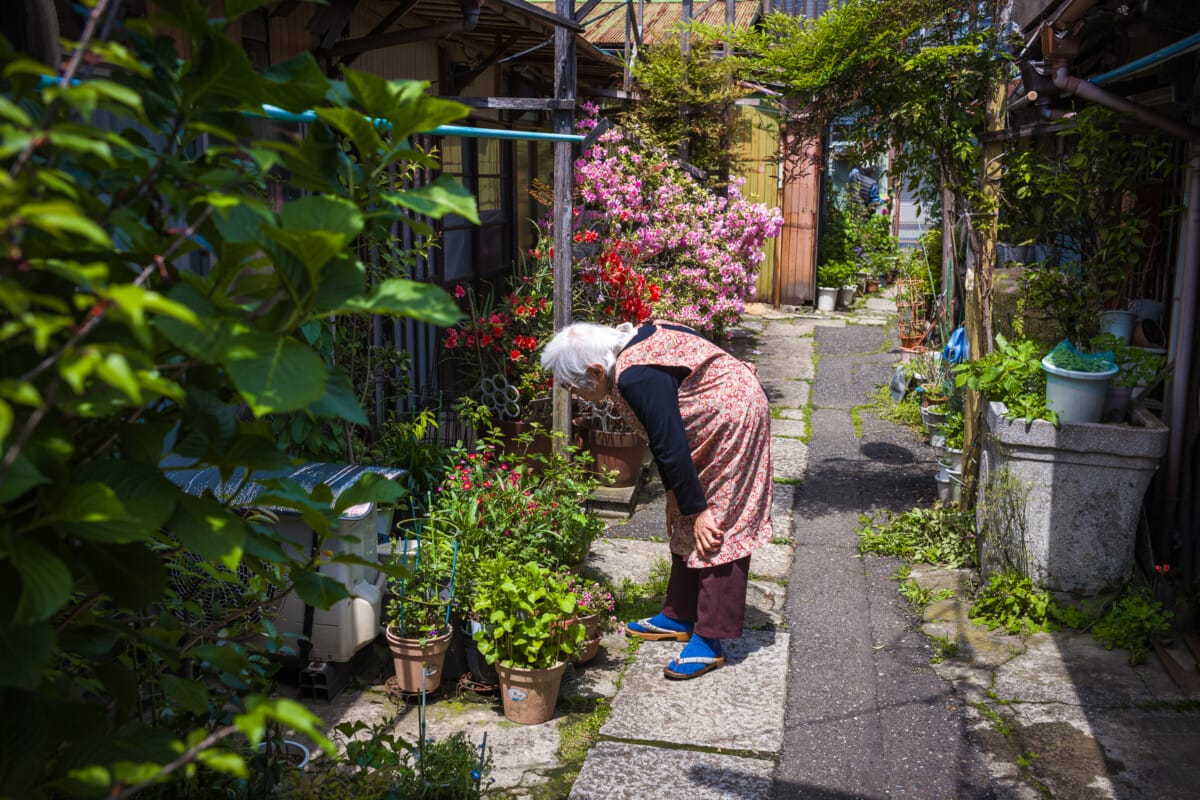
1184,345
1092,93
1189,283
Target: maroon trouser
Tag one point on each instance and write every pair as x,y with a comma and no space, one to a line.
712,597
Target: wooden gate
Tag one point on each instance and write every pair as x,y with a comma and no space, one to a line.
796,267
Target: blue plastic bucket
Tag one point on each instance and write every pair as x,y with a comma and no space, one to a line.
1076,396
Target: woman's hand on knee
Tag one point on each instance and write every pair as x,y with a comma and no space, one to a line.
708,536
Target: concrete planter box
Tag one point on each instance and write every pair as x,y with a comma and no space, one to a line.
1062,504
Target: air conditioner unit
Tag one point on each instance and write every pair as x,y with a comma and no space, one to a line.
336,633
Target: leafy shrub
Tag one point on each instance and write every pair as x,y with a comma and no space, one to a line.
1010,601
527,612
1131,623
1010,374
159,310
383,766
936,535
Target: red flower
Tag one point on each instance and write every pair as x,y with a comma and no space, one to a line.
459,291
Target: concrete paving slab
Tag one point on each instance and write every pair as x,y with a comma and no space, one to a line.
650,708
789,458
617,558
788,428
619,771
772,562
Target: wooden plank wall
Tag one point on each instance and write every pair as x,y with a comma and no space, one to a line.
756,156
797,264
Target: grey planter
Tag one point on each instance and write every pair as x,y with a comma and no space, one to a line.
1062,504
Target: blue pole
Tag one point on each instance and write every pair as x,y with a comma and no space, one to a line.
1158,56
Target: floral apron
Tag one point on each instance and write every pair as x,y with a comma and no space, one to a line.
727,421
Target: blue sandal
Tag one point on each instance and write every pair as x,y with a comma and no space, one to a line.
710,662
648,630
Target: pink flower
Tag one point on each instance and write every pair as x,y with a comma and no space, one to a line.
459,291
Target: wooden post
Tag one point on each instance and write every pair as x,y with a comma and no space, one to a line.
564,188
685,39
978,279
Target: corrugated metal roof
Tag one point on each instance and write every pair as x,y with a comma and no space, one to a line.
605,24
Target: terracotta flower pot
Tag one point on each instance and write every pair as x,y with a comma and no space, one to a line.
510,429
591,645
413,660
617,452
529,695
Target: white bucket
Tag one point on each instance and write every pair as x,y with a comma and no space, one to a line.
1118,323
826,298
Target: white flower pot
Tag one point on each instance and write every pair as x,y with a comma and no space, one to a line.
826,298
1118,323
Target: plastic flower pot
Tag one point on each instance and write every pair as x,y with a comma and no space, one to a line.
827,297
1118,323
1076,396
845,296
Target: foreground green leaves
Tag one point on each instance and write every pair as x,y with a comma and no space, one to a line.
158,311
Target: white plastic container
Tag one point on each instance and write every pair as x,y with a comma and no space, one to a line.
826,298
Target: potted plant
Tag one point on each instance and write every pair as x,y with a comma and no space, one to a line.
496,505
417,610
1088,208
596,607
1140,368
1077,382
497,345
831,277
1062,499
529,634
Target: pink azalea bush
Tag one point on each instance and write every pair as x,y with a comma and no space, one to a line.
701,249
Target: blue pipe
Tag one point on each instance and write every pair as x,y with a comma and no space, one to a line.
274,112
1170,51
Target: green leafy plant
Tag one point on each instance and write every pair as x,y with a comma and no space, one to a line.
1131,623
159,309
935,535
1010,374
373,763
419,594
528,615
529,508
1139,366
952,429
835,274
1081,203
1010,601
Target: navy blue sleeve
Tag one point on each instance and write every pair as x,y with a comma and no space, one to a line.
653,395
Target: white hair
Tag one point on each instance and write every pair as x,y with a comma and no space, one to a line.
579,345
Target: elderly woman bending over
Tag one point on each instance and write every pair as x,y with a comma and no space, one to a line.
707,421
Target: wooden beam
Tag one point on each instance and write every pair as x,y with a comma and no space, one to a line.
618,94
329,21
564,196
582,13
463,81
392,17
515,103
